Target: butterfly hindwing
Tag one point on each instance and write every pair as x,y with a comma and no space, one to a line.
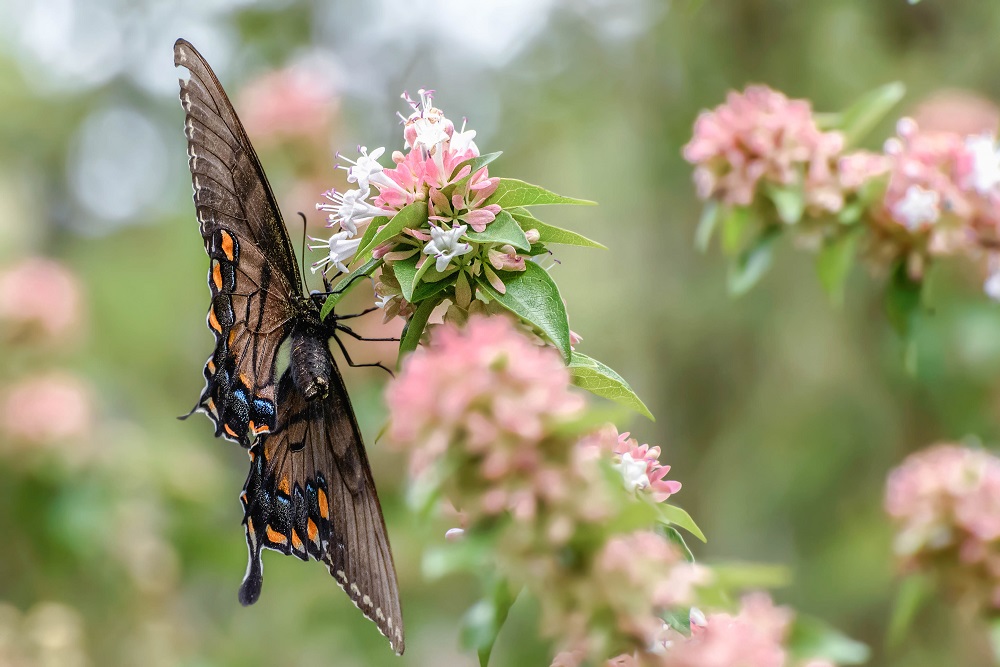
253,278
310,493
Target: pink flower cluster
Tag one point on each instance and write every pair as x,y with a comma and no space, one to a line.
641,469
491,394
40,299
945,503
430,172
761,137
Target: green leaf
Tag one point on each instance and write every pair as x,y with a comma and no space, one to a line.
753,263
412,215
677,539
405,271
426,290
834,263
483,622
813,638
512,192
788,201
533,296
915,591
502,230
736,221
551,234
415,327
861,117
348,281
706,224
600,380
902,302
370,231
476,163
672,514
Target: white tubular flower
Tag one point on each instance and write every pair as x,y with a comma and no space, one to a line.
348,209
633,472
462,140
445,244
367,167
340,248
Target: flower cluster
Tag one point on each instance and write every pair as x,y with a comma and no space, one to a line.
926,194
443,240
945,502
761,138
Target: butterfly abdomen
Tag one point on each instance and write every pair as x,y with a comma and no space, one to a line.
310,363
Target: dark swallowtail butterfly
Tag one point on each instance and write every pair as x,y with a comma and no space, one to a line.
310,491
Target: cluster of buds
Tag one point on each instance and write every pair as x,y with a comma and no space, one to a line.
925,195
945,503
447,242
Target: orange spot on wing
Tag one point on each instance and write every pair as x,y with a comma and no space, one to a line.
227,245
213,321
263,428
284,486
230,431
211,366
210,403
324,508
252,454
232,337
275,536
296,541
217,274
312,531
245,380
250,526
243,497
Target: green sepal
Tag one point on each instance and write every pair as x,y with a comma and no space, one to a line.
601,380
672,514
915,591
533,296
350,280
834,262
903,302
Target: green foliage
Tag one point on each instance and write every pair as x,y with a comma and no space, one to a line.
857,120
512,193
502,230
412,216
601,380
813,638
753,262
484,620
834,262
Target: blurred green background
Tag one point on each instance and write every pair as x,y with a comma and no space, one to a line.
121,538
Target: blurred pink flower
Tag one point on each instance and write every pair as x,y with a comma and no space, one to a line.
945,503
962,112
47,409
40,296
297,102
753,638
761,136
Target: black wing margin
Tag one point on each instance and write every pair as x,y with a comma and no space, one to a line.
310,494
253,277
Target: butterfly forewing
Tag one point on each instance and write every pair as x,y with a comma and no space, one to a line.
310,493
253,277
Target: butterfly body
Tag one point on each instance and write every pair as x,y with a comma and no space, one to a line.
309,492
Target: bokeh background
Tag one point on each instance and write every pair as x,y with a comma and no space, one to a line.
120,536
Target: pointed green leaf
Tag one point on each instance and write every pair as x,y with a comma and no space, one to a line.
915,591
415,327
751,266
674,536
834,263
503,229
348,281
483,622
812,638
409,275
600,380
736,222
675,515
512,192
861,117
706,224
412,215
533,296
552,234
370,231
426,290
789,202
902,302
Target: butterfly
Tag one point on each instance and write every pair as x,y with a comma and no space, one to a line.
309,492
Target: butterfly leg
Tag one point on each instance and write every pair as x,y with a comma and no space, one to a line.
353,315
353,334
350,362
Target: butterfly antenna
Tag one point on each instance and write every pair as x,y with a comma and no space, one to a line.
302,257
